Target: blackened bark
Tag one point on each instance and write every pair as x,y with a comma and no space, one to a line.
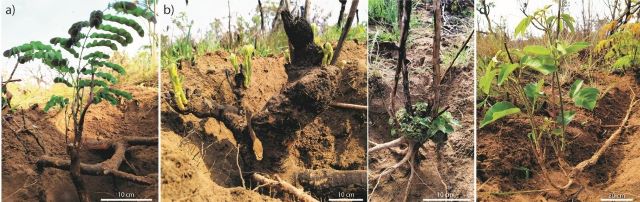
305,52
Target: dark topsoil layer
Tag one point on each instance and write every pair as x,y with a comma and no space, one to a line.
20,151
334,140
457,164
506,163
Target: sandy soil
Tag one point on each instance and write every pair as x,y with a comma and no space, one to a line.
203,154
457,163
502,158
21,181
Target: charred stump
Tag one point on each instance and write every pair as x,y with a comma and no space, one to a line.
305,52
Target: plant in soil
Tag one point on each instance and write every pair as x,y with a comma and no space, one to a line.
87,71
422,122
523,74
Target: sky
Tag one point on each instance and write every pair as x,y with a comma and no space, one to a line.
41,20
509,11
204,12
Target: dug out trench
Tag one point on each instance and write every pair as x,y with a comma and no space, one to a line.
309,150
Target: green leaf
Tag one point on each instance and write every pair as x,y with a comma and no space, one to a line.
121,93
56,100
484,83
569,21
577,47
118,31
539,64
534,90
575,87
537,50
586,98
82,83
568,117
122,41
63,81
125,21
105,43
107,76
96,55
498,111
113,66
505,71
522,26
133,9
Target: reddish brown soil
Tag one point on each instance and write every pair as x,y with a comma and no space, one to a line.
503,152
21,181
201,157
457,164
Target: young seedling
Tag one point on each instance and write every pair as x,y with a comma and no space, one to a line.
327,51
546,60
247,53
287,56
91,79
234,62
176,82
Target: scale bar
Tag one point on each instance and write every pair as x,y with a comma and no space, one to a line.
124,199
615,199
445,199
346,199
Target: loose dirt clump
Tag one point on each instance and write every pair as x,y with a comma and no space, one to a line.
31,133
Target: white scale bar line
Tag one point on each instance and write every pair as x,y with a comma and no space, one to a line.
616,200
345,199
444,199
124,199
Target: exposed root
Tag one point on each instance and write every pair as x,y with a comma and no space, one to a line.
390,144
348,106
238,164
284,186
329,179
108,167
408,188
404,160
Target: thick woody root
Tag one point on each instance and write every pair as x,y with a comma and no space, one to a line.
109,167
327,180
284,186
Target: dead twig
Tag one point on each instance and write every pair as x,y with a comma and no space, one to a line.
238,164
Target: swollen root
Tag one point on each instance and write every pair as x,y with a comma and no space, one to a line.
109,167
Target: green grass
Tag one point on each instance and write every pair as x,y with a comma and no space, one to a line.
383,12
